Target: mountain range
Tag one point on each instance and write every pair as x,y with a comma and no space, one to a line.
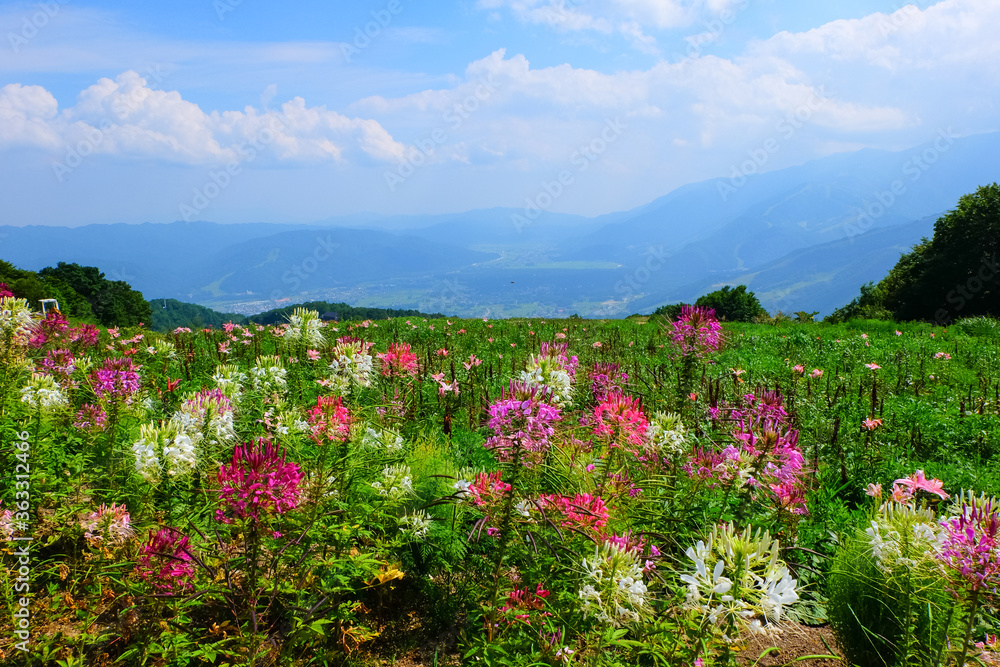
802,238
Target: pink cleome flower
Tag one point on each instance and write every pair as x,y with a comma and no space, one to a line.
399,361
620,418
330,420
112,522
970,547
258,481
581,511
523,601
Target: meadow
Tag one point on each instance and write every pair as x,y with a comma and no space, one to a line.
509,492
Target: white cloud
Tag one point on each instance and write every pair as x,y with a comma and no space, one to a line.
125,117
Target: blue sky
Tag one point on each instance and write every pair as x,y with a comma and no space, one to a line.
245,110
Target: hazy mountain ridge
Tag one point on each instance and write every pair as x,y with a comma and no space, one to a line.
786,233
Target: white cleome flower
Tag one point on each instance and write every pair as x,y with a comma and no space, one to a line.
44,393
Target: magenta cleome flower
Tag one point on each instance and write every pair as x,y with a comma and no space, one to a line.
696,331
258,481
166,561
970,546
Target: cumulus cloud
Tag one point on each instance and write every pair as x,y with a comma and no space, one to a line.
126,117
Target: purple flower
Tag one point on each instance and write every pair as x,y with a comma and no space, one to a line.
116,379
970,546
522,416
696,331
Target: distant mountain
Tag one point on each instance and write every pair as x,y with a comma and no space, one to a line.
828,273
786,233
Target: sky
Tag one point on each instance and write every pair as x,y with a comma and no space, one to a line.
254,111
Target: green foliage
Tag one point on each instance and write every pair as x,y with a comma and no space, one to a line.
670,311
117,304
168,314
982,326
890,609
868,306
732,304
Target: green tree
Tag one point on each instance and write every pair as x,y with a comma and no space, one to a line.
954,274
117,304
733,304
87,280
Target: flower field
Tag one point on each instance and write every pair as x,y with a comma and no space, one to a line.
529,492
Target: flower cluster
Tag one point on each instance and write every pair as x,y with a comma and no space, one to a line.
351,365
43,393
329,420
666,435
521,602
163,448
396,483
60,363
614,590
416,525
697,331
305,327
605,379
738,581
382,439
166,561
580,511
765,454
109,524
621,420
553,372
90,418
268,376
116,379
901,536
207,415
522,418
229,379
51,327
16,325
257,481
399,361
970,546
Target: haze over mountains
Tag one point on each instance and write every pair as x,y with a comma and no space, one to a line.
802,238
